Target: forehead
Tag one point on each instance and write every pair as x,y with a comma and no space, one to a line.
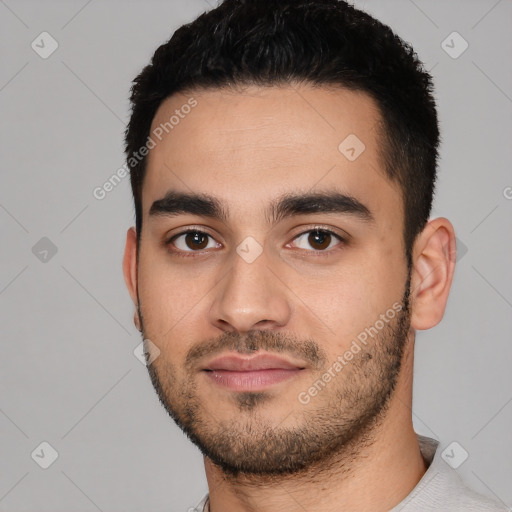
247,146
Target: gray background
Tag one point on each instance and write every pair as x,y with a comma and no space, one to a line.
68,375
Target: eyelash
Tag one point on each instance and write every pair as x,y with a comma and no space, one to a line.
318,253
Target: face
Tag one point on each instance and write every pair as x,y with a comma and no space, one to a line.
272,275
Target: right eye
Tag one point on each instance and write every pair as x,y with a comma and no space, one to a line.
191,241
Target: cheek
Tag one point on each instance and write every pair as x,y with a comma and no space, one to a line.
350,299
347,303
170,318
171,299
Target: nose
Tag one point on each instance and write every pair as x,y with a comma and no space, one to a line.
251,296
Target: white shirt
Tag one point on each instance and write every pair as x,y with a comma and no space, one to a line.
440,488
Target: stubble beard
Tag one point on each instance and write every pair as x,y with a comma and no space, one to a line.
328,432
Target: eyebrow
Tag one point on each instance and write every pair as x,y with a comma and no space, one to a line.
287,205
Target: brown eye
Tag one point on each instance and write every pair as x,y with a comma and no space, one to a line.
317,239
196,240
192,241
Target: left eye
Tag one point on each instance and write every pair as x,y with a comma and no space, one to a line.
318,239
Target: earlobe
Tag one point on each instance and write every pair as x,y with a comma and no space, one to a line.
432,274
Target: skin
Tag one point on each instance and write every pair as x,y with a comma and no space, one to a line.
247,148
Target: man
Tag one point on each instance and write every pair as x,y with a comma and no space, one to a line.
283,159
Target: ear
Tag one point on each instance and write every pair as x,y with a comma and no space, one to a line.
433,263
130,271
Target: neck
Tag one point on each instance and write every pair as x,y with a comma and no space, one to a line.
376,473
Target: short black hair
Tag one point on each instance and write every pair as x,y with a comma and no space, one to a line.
316,42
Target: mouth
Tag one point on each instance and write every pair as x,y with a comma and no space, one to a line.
254,373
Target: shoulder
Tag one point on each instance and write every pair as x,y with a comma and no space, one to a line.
201,506
441,488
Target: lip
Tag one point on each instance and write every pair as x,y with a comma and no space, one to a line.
237,363
255,373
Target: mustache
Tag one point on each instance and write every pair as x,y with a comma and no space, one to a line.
255,340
